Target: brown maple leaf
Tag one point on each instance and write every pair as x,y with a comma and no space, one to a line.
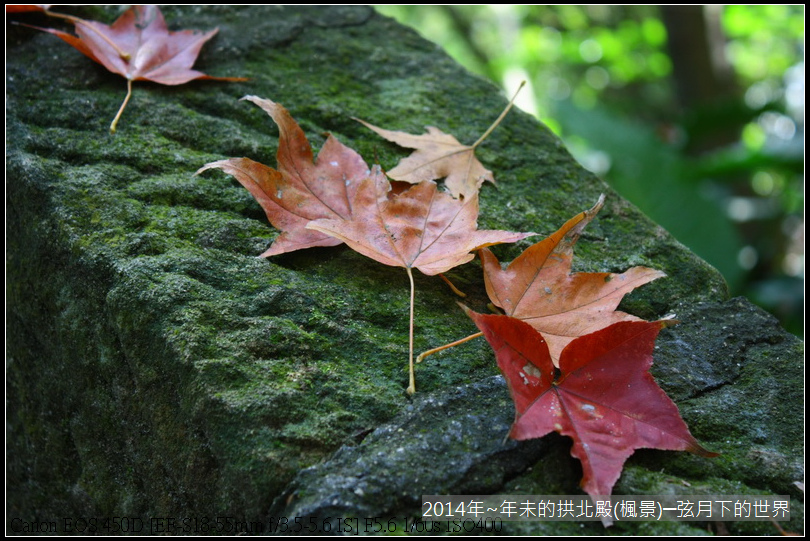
538,287
602,396
299,191
140,47
420,228
440,155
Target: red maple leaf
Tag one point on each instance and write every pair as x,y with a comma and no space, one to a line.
300,191
140,47
24,8
338,199
603,395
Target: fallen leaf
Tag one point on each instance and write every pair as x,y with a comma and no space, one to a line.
140,47
299,191
25,8
439,155
420,228
538,287
603,395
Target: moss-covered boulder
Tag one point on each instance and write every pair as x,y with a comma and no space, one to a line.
157,368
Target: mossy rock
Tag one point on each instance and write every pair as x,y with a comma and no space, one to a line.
157,368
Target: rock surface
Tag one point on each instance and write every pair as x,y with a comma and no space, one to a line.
157,368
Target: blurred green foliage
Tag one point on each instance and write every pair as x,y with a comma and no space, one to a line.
724,173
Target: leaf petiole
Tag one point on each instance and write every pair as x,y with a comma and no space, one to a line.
430,352
452,287
114,124
412,385
498,120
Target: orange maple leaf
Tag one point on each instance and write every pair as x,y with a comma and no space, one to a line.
419,228
140,47
538,287
300,191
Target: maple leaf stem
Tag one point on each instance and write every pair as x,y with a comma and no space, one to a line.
430,352
412,385
77,20
70,18
498,120
455,290
114,123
